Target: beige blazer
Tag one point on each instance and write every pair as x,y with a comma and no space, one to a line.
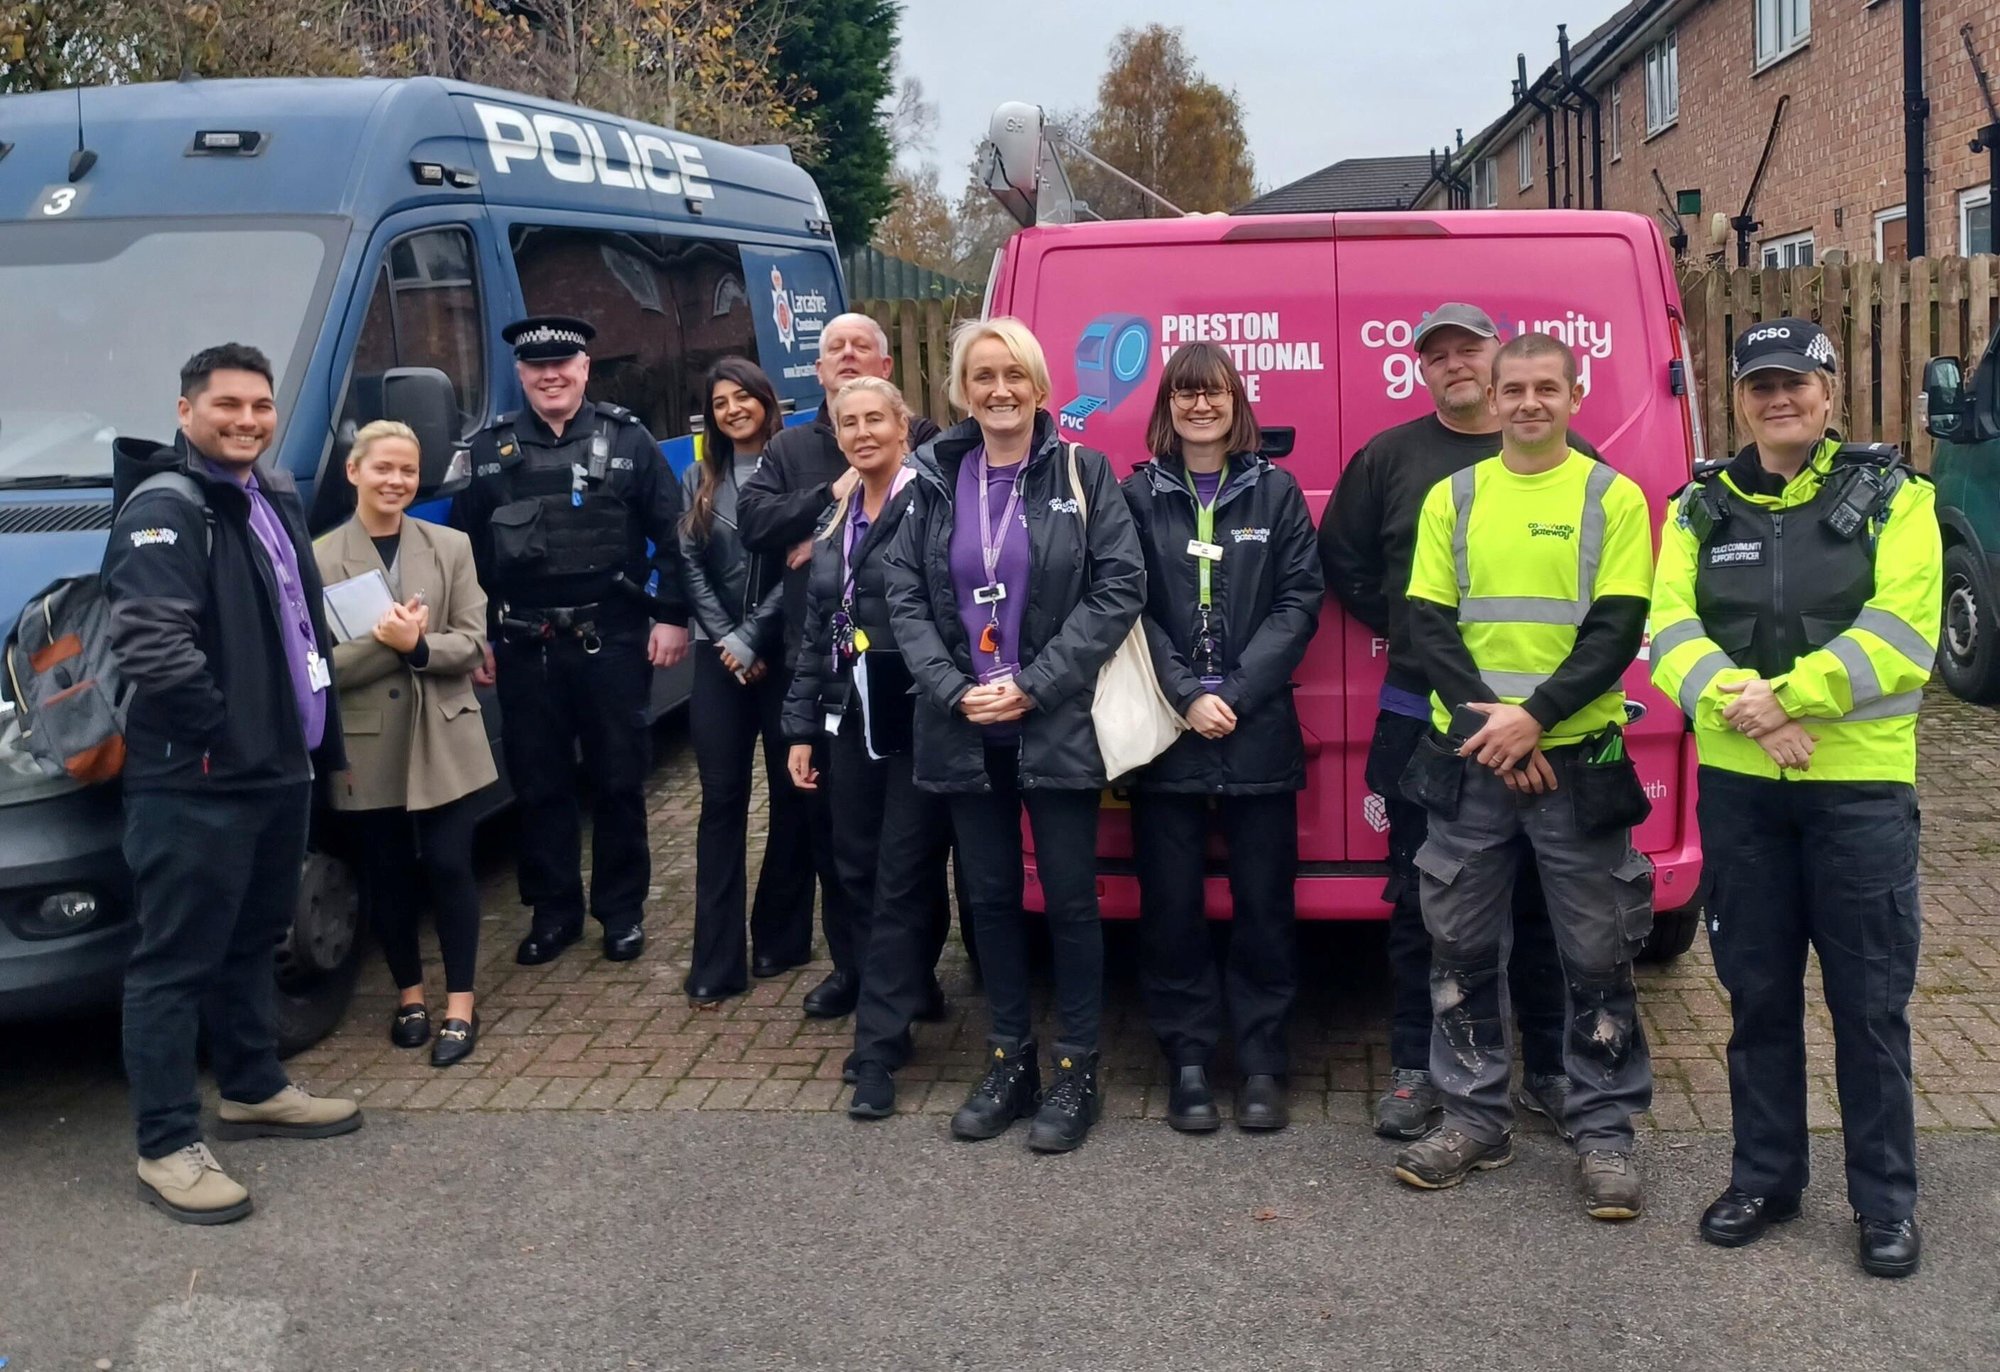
415,739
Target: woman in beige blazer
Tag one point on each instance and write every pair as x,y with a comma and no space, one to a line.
417,748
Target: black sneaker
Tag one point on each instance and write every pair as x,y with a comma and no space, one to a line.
1070,1107
1547,1094
1009,1091
1445,1157
1405,1110
874,1093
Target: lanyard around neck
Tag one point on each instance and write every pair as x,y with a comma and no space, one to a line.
992,539
1204,527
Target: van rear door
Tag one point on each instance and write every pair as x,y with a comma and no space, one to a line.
1110,303
1596,281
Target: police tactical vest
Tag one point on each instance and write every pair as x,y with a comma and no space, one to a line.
567,512
1773,585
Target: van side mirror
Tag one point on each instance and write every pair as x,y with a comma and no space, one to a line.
422,398
1274,442
1946,409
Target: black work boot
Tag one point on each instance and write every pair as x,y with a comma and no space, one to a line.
1070,1107
1009,1090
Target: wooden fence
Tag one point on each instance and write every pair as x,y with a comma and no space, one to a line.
1886,319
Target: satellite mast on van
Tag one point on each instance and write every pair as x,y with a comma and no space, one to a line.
1021,164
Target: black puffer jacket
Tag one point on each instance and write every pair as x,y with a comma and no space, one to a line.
1264,598
199,632
816,687
1086,588
731,590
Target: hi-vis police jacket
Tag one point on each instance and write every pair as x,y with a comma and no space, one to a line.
1844,626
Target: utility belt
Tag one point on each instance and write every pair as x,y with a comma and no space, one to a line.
587,624
1598,774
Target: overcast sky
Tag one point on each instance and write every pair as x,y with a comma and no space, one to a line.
1319,80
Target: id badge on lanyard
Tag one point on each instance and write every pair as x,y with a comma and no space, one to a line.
1206,553
991,540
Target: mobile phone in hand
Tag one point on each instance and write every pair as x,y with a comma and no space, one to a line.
1465,722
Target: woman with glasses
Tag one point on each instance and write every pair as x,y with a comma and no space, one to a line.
1233,587
1013,579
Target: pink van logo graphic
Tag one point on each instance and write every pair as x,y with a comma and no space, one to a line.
1112,356
781,310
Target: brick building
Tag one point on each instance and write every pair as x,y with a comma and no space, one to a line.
1687,89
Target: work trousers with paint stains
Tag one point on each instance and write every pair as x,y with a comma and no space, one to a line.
1600,899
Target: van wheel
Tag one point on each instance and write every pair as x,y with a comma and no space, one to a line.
320,957
1969,648
1673,934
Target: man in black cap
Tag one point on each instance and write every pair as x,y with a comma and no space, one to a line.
565,497
1366,541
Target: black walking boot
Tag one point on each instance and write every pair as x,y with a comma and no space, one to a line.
1191,1103
1008,1091
1069,1108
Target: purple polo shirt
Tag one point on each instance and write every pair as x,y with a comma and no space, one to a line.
300,644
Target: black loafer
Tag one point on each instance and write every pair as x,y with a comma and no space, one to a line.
546,945
764,968
1261,1104
1191,1104
834,996
455,1041
935,1009
622,945
1889,1248
411,1028
1736,1217
711,995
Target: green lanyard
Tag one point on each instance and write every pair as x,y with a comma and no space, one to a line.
1204,531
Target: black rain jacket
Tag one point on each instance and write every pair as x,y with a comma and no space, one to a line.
1264,596
1086,589
816,686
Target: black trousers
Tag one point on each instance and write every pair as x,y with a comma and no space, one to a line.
1185,992
891,843
988,825
216,880
1832,866
728,719
1534,971
397,854
556,698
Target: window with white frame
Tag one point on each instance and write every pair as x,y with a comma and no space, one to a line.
1783,26
1975,220
1663,84
1617,122
1892,234
1525,155
1486,183
1793,250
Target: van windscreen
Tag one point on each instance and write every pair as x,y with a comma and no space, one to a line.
100,317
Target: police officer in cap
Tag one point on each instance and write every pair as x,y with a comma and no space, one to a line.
565,497
1795,618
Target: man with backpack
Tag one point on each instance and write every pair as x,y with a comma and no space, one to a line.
217,629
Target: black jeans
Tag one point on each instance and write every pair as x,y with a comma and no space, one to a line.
988,825
728,719
555,698
1534,971
397,853
1184,991
891,843
1830,865
216,879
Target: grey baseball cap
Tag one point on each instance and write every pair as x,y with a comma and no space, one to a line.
1455,315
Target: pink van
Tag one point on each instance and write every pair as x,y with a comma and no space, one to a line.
1318,312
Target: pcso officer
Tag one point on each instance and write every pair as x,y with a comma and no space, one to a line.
1795,618
566,496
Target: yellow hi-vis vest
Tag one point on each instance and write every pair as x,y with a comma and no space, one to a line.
1521,558
1857,693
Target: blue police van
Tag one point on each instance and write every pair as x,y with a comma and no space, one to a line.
372,238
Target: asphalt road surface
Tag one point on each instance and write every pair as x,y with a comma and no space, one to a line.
732,1240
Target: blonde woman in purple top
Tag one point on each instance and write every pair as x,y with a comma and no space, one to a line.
1006,601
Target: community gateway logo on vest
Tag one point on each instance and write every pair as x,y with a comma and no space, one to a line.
1537,529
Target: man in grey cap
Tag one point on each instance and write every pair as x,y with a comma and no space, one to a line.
1366,541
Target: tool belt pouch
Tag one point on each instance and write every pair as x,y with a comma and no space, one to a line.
1607,795
1434,777
520,537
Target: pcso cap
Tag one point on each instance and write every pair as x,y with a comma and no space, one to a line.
547,337
1785,345
1454,315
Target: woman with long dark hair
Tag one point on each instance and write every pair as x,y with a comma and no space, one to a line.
735,599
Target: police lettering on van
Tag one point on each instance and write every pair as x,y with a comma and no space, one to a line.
574,150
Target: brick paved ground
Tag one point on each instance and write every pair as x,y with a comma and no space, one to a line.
583,1034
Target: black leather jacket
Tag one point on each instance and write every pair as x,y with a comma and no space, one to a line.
730,590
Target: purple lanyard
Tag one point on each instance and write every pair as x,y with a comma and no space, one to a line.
991,539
